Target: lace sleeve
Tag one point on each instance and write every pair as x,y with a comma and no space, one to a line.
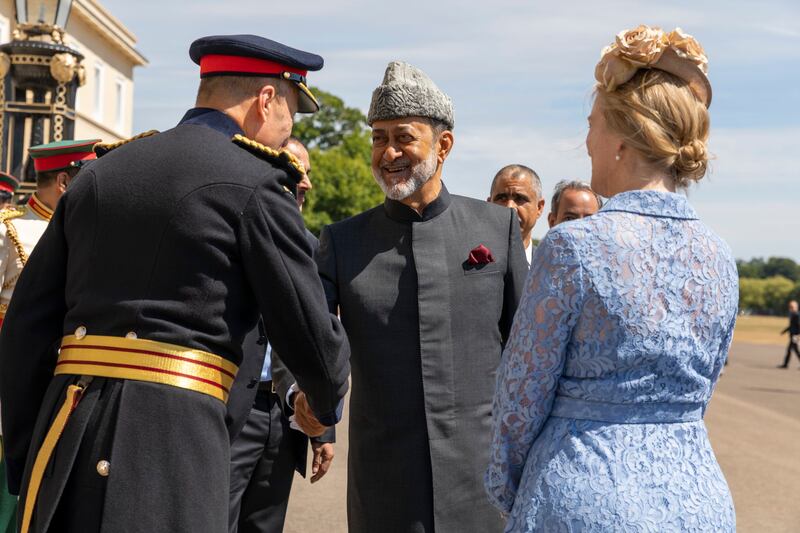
533,361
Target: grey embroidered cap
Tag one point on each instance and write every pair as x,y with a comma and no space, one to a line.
406,91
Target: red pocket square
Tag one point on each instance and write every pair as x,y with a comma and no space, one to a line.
480,255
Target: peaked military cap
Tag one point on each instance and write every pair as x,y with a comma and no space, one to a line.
62,154
8,183
251,55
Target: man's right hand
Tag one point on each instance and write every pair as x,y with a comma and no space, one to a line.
304,417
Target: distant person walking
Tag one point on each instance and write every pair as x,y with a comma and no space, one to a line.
794,333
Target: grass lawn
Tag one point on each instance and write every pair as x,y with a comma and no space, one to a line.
761,330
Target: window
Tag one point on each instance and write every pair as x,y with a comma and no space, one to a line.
99,69
5,31
119,90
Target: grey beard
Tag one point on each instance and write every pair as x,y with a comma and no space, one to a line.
420,174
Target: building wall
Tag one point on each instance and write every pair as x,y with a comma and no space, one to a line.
104,107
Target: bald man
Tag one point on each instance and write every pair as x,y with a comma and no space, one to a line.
518,187
297,149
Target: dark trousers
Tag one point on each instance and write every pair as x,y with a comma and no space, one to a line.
262,469
792,346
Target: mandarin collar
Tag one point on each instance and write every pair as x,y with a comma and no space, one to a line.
212,118
652,203
402,213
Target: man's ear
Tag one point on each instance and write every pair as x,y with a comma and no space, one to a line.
444,145
540,205
62,181
266,96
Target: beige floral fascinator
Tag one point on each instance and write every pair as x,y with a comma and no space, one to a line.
646,47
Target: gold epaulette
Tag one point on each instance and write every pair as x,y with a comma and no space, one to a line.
102,149
8,213
282,158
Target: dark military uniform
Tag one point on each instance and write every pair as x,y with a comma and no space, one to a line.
182,238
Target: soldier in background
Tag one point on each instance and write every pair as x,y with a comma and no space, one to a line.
56,164
8,186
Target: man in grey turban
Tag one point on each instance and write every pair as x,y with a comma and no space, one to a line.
426,285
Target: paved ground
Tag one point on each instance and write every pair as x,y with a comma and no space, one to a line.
754,422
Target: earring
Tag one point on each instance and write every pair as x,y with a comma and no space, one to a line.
616,157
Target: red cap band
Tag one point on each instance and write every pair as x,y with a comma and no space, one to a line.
212,64
54,162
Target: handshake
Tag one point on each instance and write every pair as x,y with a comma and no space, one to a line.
303,418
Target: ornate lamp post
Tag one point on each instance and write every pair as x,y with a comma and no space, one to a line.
40,79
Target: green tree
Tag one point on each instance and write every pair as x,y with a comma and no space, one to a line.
340,150
753,268
751,295
774,266
777,291
328,127
782,266
766,296
795,294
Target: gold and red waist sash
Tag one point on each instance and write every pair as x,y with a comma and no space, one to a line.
124,358
146,360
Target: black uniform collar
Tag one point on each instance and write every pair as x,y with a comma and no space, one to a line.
402,213
211,118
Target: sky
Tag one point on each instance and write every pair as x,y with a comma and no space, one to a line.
520,74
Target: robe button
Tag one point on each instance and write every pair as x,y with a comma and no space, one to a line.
103,467
80,332
131,335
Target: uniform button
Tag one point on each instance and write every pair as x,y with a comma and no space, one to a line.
131,335
103,467
80,332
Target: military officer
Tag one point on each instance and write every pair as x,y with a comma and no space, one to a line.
8,186
158,261
56,164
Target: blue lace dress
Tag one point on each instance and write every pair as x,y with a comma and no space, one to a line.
617,344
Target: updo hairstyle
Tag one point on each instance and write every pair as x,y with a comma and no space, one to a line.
660,117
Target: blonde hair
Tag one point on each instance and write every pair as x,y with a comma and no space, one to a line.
660,117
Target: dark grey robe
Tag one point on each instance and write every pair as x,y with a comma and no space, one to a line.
426,331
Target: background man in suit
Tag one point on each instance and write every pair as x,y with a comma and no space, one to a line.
267,451
572,200
794,333
519,187
427,285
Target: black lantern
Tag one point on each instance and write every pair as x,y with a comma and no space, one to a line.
40,79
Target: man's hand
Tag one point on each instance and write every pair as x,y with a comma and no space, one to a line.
305,418
321,462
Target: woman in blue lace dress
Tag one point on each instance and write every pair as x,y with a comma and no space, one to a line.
624,324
